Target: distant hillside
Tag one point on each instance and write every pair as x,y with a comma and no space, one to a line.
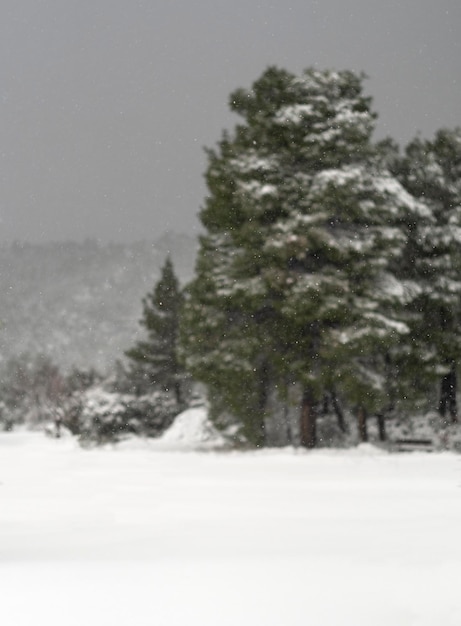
80,303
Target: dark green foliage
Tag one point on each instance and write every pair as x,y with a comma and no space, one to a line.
155,359
294,281
431,170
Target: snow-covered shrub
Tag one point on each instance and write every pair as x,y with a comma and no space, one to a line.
100,416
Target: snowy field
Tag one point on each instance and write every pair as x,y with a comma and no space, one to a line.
135,535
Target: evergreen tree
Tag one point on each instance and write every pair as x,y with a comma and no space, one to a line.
155,359
431,170
293,285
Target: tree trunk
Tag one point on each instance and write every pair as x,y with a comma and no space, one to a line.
362,424
339,412
447,401
289,433
381,427
262,400
178,392
308,426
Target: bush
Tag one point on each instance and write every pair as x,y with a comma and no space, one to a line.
101,416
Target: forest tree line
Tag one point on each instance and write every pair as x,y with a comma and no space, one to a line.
330,263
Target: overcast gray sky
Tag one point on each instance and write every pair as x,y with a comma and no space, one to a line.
106,104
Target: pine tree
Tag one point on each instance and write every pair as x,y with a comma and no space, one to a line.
293,286
155,359
431,170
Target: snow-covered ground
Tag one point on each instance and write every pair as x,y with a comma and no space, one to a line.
137,535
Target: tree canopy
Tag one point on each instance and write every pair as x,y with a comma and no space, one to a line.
297,280
155,358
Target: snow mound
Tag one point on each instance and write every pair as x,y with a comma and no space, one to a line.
367,449
192,429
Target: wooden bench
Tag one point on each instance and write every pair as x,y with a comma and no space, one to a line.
411,445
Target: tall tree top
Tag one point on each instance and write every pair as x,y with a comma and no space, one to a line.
305,111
